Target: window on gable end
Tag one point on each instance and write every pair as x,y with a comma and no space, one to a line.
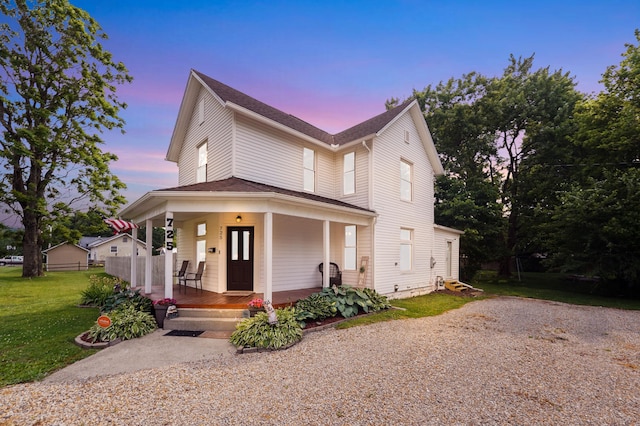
309,165
201,111
349,178
406,181
406,136
201,173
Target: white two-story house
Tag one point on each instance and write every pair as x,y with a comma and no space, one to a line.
264,197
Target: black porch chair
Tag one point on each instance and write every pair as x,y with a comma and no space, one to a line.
193,277
335,275
181,272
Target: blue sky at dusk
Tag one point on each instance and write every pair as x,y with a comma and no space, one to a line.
332,63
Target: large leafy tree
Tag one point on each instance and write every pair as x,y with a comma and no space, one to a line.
467,196
57,94
595,228
530,113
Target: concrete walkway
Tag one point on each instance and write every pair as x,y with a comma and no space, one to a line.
150,351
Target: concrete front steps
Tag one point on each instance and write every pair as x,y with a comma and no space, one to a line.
193,319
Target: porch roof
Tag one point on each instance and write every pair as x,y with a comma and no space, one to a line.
151,204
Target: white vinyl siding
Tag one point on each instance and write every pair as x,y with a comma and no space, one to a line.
217,130
388,150
447,264
309,166
297,251
273,157
350,242
349,173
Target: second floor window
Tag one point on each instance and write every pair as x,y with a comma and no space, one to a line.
201,173
309,164
349,173
406,181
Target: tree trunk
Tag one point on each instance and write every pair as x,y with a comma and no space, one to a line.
31,246
504,270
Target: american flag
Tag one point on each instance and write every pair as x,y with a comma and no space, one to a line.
120,225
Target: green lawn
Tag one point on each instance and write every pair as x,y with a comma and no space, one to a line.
415,307
549,286
39,319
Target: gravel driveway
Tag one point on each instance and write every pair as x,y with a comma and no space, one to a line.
496,361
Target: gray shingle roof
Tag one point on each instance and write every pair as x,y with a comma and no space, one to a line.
235,184
366,128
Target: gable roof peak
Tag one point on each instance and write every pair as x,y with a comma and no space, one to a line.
233,96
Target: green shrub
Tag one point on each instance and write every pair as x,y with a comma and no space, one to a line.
126,323
256,332
349,300
315,307
379,302
128,297
99,290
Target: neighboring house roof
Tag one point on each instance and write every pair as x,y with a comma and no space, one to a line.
234,184
245,104
101,241
86,241
62,244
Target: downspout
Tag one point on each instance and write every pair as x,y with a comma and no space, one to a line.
370,172
373,220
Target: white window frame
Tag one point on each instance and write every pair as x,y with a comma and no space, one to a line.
349,173
201,112
406,180
350,248
201,170
113,249
201,242
406,250
309,169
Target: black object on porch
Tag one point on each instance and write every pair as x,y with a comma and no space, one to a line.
182,272
195,278
335,275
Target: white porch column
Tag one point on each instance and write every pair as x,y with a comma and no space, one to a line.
268,256
148,265
326,249
168,256
134,258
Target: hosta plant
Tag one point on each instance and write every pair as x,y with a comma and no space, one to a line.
350,300
315,307
127,322
256,332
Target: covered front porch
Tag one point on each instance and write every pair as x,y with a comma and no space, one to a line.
252,237
203,299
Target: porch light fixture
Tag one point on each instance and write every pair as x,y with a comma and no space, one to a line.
238,218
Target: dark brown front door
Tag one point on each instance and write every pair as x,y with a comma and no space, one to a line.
240,258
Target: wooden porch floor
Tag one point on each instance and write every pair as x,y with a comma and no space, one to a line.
192,298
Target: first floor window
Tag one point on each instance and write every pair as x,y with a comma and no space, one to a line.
201,173
350,247
201,250
406,250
